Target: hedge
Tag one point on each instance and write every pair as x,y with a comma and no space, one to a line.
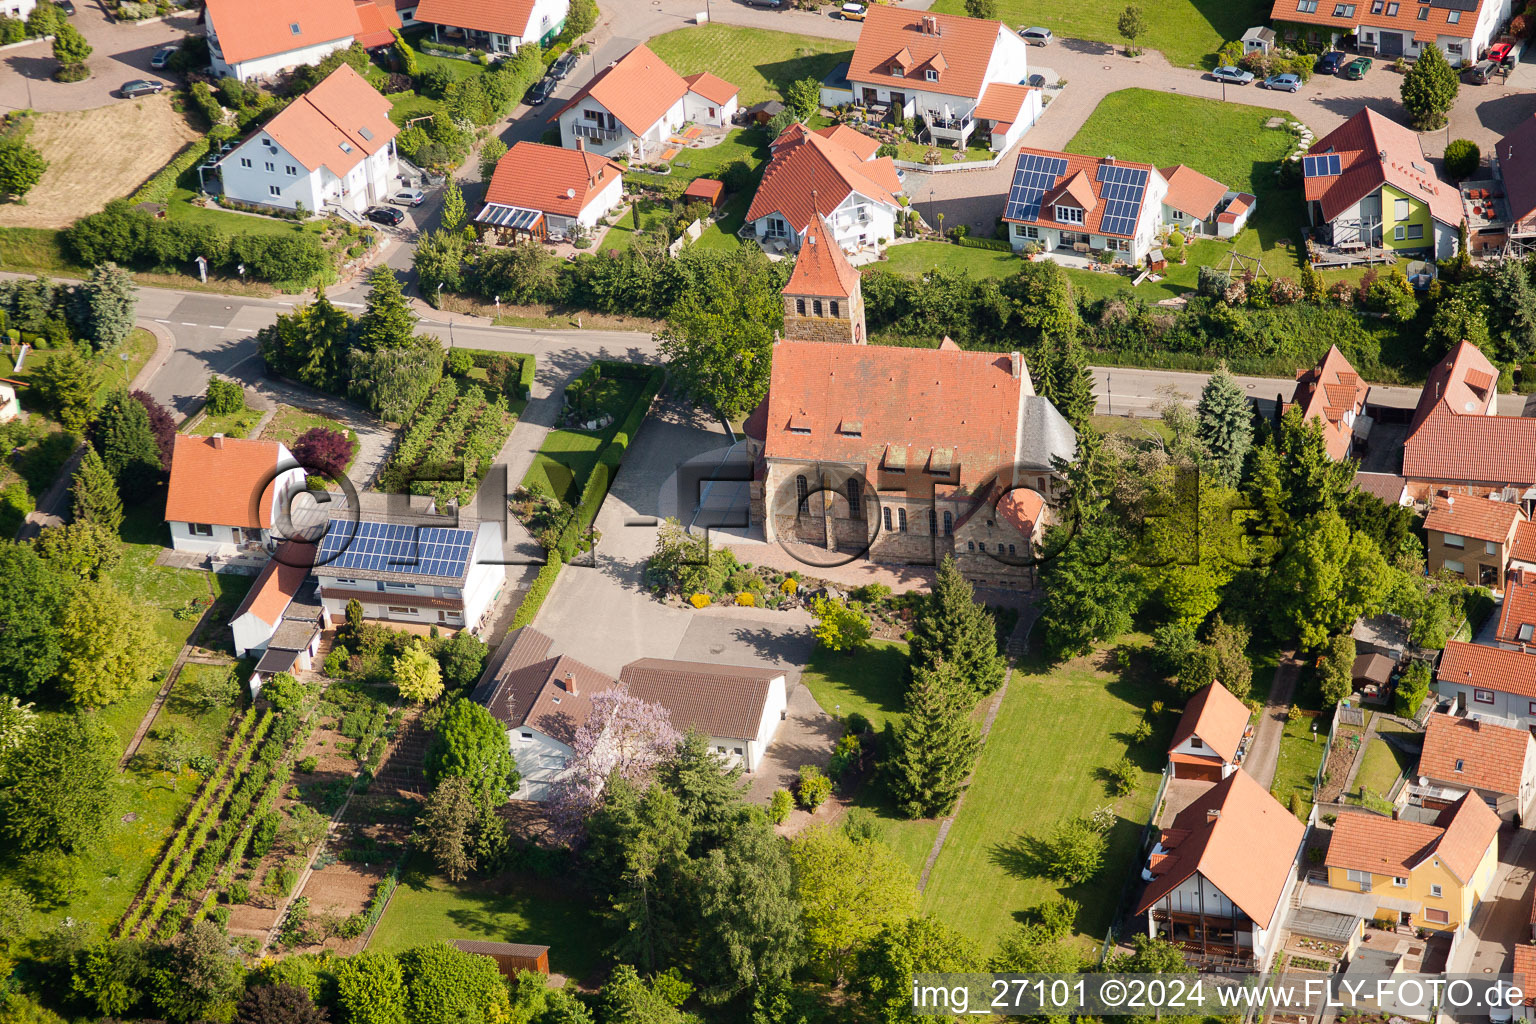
483,358
983,243
553,53
158,188
542,584
525,379
608,461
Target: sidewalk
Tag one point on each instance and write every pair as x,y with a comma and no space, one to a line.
1264,754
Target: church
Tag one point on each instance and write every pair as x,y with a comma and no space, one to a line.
901,454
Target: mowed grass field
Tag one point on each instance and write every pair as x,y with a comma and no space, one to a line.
760,62
1188,32
871,682
97,155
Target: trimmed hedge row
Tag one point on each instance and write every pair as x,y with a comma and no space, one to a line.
984,243
534,599
483,358
158,189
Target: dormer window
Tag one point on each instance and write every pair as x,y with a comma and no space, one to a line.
897,71
1069,214
931,75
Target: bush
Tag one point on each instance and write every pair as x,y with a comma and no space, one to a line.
325,451
1462,158
309,764
813,787
779,806
534,599
225,397
844,756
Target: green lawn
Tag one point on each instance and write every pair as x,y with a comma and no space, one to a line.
233,424
916,151
1056,731
562,463
287,423
1188,32
872,681
510,907
1300,754
1381,767
761,63
182,208
406,105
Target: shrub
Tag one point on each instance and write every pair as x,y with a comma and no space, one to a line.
813,787
701,600
1123,777
746,600
325,451
542,583
309,764
238,892
1462,158
224,397
779,806
844,756
790,585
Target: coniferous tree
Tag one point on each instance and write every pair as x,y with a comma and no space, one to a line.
1226,425
953,627
94,494
387,320
934,747
127,443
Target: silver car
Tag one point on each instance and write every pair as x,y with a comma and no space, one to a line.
1234,75
1285,83
1036,36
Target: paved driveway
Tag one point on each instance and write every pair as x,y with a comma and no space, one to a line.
122,52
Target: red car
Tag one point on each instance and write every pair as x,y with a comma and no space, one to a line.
1500,53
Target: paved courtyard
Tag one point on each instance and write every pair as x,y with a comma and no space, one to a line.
121,54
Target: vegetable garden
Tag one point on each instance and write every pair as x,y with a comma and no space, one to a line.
455,426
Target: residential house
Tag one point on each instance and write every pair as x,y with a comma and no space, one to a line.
834,174
247,40
961,76
1192,203
547,192
281,618
1463,29
333,147
1432,875
1333,393
633,106
1471,537
226,493
738,709
1368,183
1514,164
1492,683
495,26
1495,763
1219,880
1516,630
1522,553
903,454
1208,743
1458,445
411,567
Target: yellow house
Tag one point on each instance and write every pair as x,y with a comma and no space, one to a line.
1427,876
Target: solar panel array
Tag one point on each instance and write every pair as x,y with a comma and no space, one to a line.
395,547
1033,177
1321,166
1122,189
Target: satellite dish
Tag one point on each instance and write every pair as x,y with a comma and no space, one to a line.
570,193
1423,780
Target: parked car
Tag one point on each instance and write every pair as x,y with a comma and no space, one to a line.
409,197
563,66
1329,63
67,6
162,57
1233,75
1036,36
386,215
1356,69
770,4
1285,83
1481,72
1503,53
1036,82
852,12
541,91
139,87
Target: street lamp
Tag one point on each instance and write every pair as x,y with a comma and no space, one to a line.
1109,390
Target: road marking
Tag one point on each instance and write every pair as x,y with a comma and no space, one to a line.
158,321
354,305
185,324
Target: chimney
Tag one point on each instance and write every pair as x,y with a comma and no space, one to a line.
1110,159
581,144
218,440
1015,364
1212,815
569,682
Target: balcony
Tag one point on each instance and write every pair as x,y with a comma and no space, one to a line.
595,133
950,124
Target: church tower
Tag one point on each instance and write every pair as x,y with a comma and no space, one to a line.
823,300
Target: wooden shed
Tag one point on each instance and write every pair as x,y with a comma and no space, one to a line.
511,958
707,189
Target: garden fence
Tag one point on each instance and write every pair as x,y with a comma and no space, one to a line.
1322,766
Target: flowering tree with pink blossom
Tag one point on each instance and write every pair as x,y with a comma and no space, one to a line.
623,736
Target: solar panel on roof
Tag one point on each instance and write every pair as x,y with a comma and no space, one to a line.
1320,166
1122,189
395,547
1033,176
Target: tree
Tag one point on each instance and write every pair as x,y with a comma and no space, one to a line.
105,304
387,320
112,975
15,907
310,344
1148,956
439,260
32,596
453,206
55,788
1462,158
161,424
472,745
718,340
17,720
1229,643
110,651
1226,424
1429,89
208,690
1512,301
327,452
449,986
748,934
417,675
581,18
370,989
1412,688
1066,380
175,748
1313,481
1131,26
952,626
804,98
70,49
1458,317
709,791
446,828
494,149
1090,589
66,386
461,657
1074,852
122,434
1326,579
984,9
918,945
625,999
1043,943
278,1004
1335,669
934,746
840,625
623,737
848,891
21,167
638,847
224,397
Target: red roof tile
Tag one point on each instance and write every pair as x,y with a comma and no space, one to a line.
705,188
247,31
1217,717
1479,518
1381,845
960,53
810,174
1002,102
508,17
1327,392
1471,826
1518,610
1191,192
712,87
820,266
549,178
1022,508
1488,668
276,584
1406,20
1474,753
1360,143
637,89
1516,153
1492,450
1080,182
862,146
375,20
216,480
1524,547
1388,487
1524,968
1462,380
336,125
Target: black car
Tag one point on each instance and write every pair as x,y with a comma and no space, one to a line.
67,6
770,4
139,87
1330,62
563,66
387,215
541,91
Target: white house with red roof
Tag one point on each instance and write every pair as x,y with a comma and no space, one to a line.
225,493
1464,755
1202,207
1333,393
334,146
959,75
831,173
496,26
634,105
1463,29
258,40
546,191
1368,183
1209,741
1493,683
